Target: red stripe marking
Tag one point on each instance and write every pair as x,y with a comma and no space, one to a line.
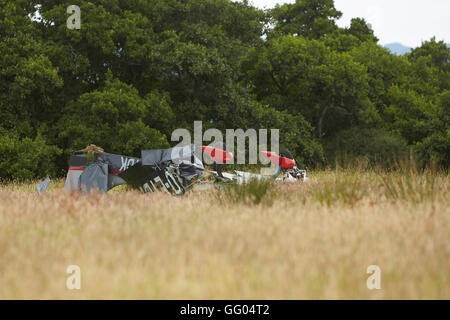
82,169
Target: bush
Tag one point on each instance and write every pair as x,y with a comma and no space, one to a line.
22,159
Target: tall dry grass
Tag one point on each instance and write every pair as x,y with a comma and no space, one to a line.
295,241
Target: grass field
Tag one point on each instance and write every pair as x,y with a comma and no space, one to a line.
294,241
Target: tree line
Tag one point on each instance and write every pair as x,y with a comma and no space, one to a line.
138,69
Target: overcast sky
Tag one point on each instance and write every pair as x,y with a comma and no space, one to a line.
406,21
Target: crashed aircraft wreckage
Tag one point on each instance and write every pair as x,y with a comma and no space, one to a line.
173,170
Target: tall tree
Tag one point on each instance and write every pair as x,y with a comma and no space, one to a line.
306,18
304,77
361,29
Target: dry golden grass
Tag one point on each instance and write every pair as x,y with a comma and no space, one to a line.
312,240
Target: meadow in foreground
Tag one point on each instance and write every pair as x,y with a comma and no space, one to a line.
293,241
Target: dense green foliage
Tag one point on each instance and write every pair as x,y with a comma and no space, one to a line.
138,69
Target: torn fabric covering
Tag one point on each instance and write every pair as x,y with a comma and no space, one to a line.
94,176
114,180
116,164
189,164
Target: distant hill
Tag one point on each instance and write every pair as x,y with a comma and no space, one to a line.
400,49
